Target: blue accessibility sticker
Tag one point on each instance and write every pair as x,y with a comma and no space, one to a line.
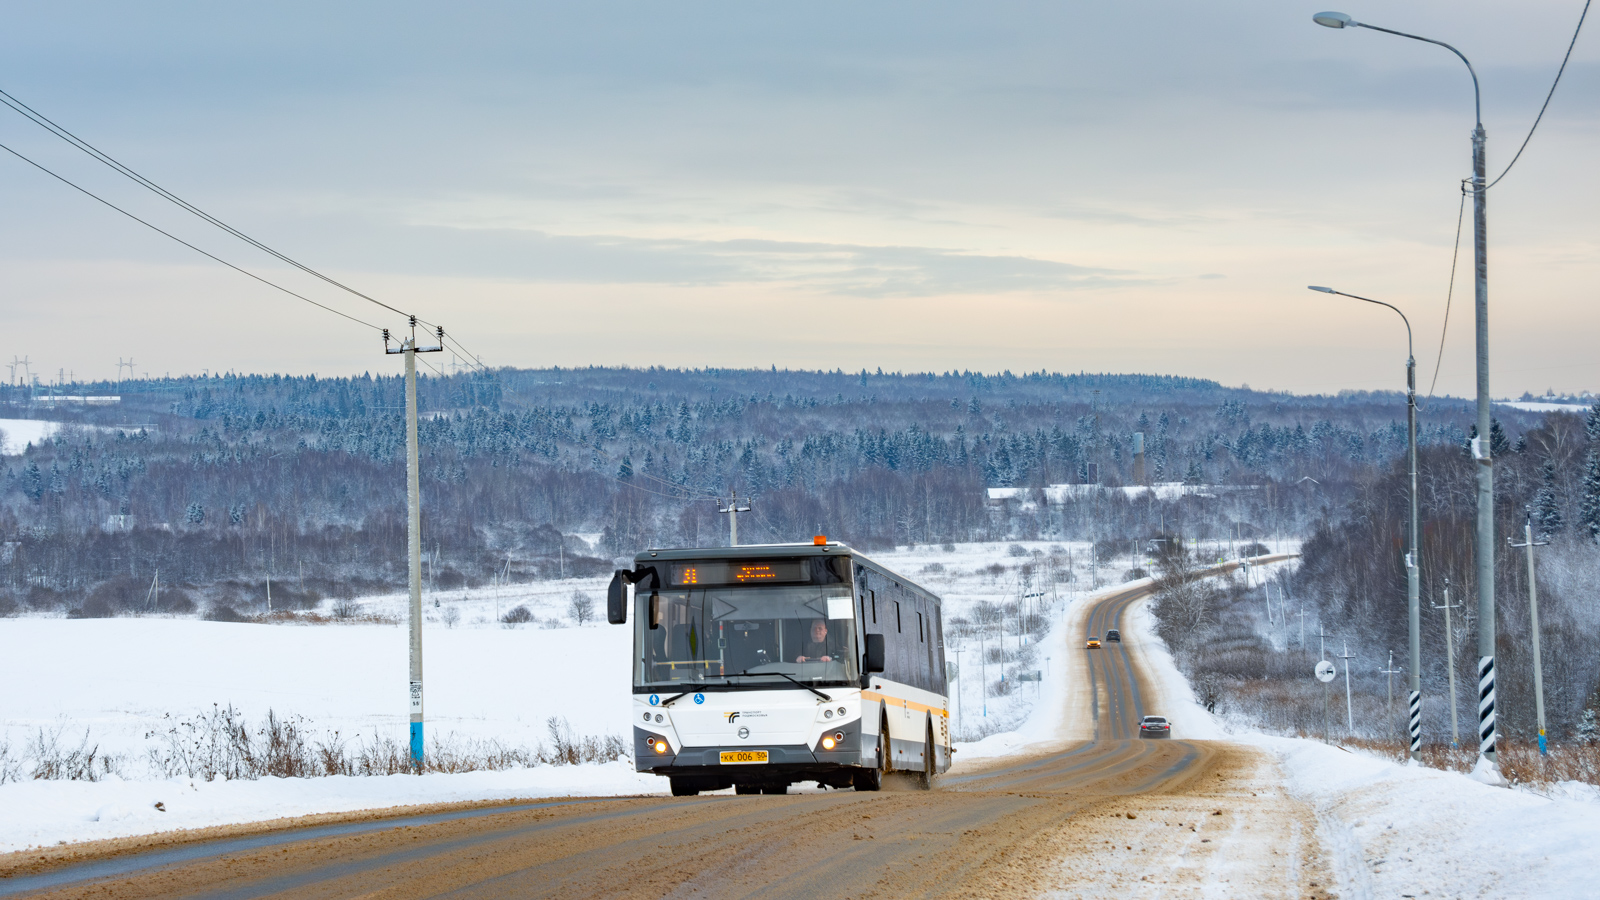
655,699
699,698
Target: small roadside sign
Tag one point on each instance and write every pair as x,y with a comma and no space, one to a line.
1325,671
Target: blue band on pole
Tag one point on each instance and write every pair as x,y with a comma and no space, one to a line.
416,744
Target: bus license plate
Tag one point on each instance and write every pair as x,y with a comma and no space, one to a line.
742,757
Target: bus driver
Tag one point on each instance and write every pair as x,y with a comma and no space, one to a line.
816,649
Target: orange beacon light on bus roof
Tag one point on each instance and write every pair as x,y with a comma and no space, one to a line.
820,539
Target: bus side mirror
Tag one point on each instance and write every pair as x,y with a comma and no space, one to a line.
872,660
617,598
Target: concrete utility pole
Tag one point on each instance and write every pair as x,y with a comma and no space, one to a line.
1391,672
732,510
1349,706
409,348
1533,615
1478,186
1450,659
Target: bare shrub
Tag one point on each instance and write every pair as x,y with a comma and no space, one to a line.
345,608
221,612
55,761
1016,550
567,750
518,616
10,765
581,607
451,616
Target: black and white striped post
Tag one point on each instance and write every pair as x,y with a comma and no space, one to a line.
1486,730
1414,722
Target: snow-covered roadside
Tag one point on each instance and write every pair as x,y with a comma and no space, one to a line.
1408,831
42,813
1398,831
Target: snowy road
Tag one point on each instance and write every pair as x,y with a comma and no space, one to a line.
1078,814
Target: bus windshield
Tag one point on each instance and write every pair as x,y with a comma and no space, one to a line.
746,634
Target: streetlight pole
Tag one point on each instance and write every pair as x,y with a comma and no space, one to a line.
1413,560
1481,449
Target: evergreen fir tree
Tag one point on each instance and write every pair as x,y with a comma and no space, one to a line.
1589,508
1546,503
1592,424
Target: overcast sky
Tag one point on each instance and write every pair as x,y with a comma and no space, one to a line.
1125,187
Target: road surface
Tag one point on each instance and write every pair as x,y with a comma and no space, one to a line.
1097,812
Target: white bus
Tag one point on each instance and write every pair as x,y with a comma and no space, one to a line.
757,667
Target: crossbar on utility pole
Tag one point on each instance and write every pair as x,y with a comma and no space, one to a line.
409,348
1533,621
732,511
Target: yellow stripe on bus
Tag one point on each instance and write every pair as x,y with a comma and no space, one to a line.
909,704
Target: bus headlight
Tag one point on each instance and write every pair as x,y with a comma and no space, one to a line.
828,743
659,744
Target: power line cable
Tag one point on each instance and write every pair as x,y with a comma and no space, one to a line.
180,240
1536,119
101,156
1449,294
44,122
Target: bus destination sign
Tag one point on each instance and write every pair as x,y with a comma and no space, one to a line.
719,572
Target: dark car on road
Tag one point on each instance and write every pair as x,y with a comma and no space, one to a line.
1113,635
1155,727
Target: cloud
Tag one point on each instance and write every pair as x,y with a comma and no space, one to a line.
858,270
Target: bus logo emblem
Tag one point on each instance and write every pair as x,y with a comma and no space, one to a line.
731,716
744,733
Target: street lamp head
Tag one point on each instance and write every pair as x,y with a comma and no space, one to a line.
1334,20
1325,290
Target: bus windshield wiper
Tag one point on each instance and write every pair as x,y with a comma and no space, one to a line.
669,701
797,682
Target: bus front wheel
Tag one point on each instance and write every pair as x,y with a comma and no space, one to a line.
872,779
683,787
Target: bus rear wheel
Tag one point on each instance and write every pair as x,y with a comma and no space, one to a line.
929,764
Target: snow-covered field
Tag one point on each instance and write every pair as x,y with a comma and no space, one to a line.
17,434
117,686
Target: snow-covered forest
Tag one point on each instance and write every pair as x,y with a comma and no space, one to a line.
221,482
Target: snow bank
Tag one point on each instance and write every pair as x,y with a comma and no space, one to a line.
38,813
1399,830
